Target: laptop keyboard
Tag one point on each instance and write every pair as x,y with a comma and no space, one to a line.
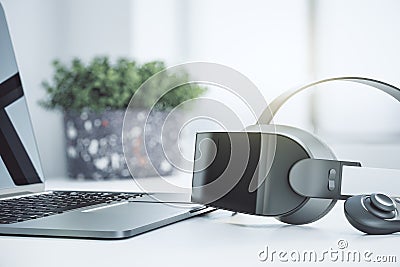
56,202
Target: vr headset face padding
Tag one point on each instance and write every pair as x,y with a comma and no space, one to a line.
311,209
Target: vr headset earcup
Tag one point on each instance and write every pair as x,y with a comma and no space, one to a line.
311,209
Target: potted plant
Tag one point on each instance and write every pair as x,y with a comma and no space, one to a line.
93,98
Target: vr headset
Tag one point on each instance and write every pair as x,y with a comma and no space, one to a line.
290,174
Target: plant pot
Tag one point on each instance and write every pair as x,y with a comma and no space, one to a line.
94,145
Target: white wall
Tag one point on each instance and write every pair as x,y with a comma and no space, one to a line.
92,27
358,38
265,40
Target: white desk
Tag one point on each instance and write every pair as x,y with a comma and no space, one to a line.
209,240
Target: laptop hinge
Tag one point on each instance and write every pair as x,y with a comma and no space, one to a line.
22,190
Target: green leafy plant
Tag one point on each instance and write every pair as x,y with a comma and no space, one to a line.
101,85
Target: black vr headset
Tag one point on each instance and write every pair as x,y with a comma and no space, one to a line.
287,173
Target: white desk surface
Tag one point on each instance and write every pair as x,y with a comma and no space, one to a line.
215,239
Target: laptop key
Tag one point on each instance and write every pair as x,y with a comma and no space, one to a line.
38,206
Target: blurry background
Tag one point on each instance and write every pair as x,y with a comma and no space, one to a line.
277,44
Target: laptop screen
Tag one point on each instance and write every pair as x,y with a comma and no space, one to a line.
19,157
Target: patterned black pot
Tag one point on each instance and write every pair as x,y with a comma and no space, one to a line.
94,145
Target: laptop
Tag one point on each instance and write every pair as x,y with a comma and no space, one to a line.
26,208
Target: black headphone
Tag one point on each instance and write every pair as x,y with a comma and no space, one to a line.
286,172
